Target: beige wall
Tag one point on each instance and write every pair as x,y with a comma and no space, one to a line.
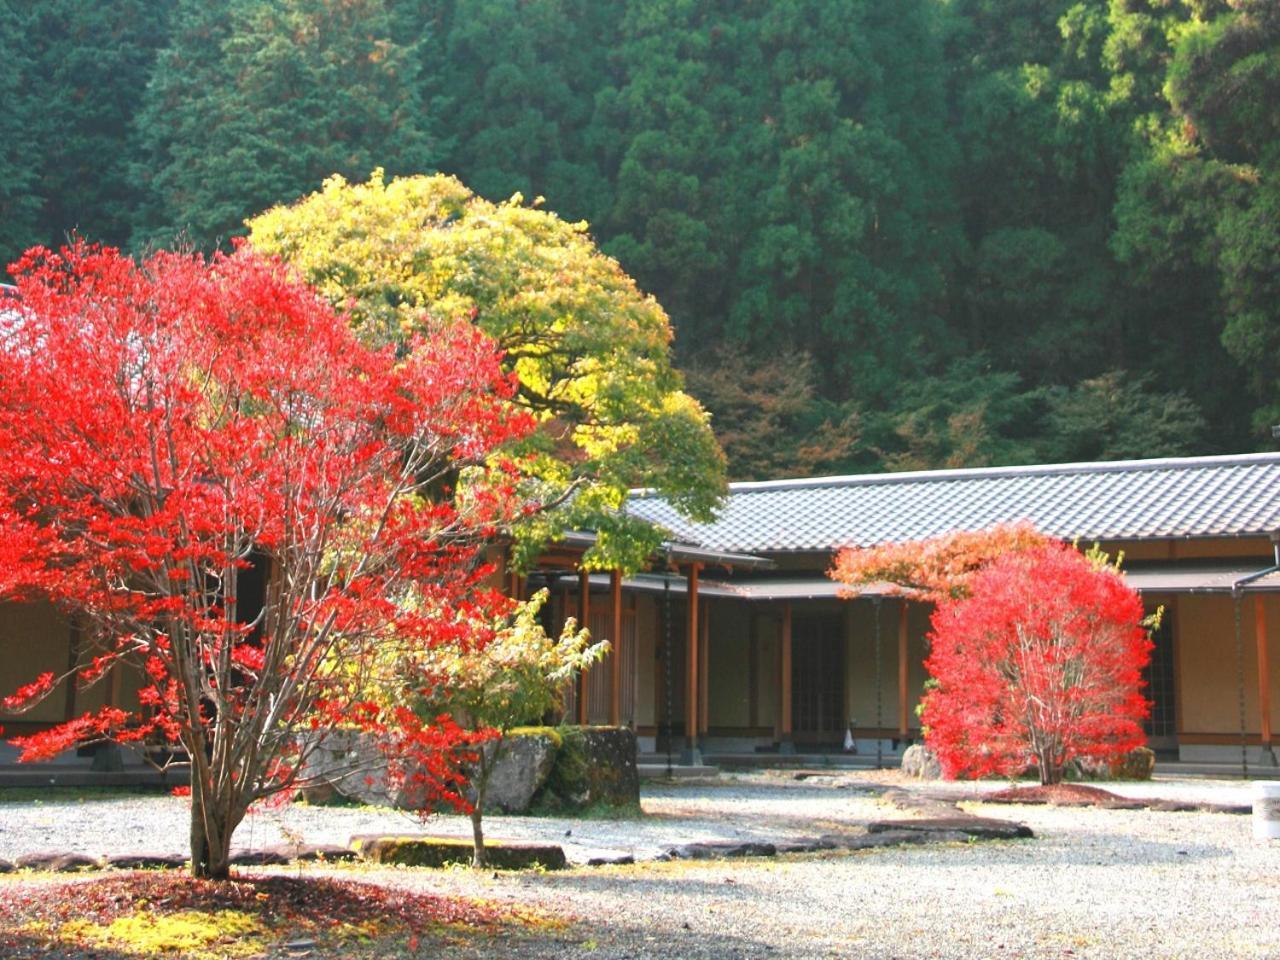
647,628
860,662
1204,628
728,664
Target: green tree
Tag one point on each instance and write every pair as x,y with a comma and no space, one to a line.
18,161
515,678
1224,80
90,66
516,91
255,103
590,350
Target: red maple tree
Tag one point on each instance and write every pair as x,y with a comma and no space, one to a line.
1040,664
168,426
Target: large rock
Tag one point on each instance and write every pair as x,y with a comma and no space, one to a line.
595,766
547,768
1138,764
524,762
918,761
351,763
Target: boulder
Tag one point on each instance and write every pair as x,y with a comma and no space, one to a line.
1137,764
524,761
425,851
595,766
918,761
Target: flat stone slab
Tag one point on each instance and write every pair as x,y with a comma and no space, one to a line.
147,861
429,851
984,828
719,851
58,862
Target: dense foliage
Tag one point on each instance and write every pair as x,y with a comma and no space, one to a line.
173,428
889,235
1040,665
590,351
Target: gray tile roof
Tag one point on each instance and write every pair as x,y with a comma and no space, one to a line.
1128,500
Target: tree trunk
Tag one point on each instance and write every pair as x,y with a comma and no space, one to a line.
478,858
211,830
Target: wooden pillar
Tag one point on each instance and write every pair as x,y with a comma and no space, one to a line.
904,716
704,673
693,660
786,742
584,621
753,672
615,652
1264,670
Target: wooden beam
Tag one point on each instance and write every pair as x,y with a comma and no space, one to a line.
904,715
1264,670
704,672
692,661
784,677
584,622
615,652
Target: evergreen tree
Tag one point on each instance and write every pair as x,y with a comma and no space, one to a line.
90,66
255,103
19,159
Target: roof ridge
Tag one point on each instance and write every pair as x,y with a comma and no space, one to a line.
1029,470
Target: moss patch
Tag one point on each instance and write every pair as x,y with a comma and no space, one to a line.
170,915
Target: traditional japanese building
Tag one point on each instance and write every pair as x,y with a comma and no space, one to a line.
738,641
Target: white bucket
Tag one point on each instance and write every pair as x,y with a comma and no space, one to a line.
1266,809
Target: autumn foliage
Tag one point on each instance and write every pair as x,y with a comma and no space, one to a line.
169,429
939,568
1039,665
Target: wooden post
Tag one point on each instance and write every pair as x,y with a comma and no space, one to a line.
785,740
904,716
704,673
692,661
584,622
753,671
615,651
1264,670
75,640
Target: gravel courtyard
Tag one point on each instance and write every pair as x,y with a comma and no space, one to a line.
1094,883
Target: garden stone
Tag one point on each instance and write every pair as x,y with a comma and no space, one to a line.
58,862
6,866
147,861
919,761
982,828
522,768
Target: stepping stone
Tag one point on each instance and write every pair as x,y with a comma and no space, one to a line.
258,858
58,862
720,851
813,845
147,861
428,851
625,860
326,852
984,828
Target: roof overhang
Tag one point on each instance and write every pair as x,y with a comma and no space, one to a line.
1180,578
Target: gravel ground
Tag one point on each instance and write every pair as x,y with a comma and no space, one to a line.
1093,884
